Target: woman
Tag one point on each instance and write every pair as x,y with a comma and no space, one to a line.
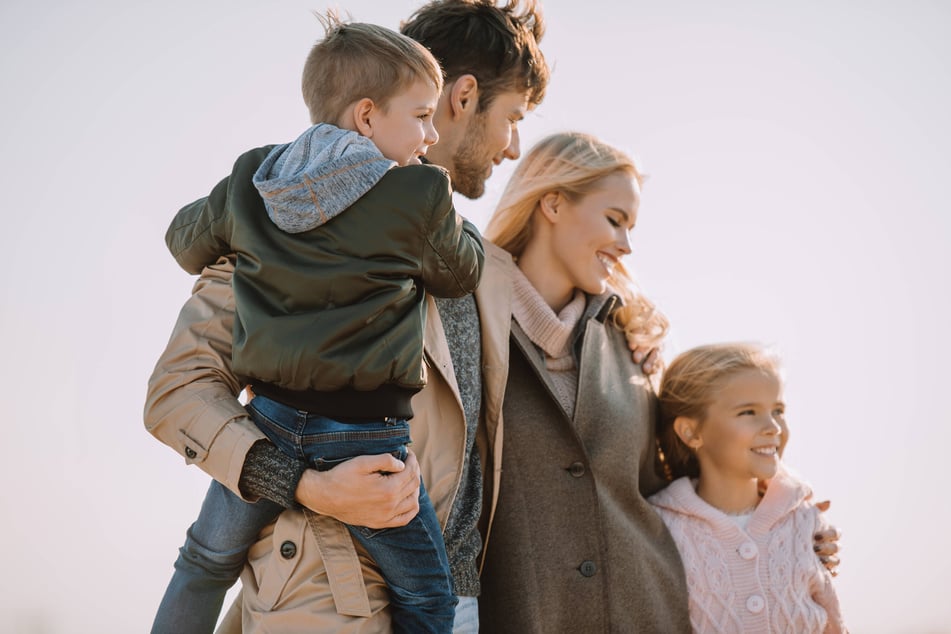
574,545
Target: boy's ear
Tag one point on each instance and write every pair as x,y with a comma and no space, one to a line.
687,429
549,205
464,96
362,119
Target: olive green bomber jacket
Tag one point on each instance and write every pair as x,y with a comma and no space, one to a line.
340,306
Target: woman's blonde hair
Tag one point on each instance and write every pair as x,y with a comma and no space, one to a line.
689,386
573,164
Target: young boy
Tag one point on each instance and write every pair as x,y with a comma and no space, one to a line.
356,230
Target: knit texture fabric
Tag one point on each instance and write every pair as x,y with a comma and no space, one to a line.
309,181
269,473
766,578
551,333
460,320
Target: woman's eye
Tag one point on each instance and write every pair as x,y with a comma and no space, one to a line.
614,223
747,412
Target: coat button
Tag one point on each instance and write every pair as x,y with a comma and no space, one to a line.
190,452
288,549
755,604
748,550
587,568
576,469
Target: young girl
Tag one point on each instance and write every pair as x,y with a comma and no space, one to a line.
748,556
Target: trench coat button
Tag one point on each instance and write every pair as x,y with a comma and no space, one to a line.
748,550
288,549
755,604
576,469
190,452
587,568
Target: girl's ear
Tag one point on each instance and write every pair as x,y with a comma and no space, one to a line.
463,96
549,205
687,429
363,112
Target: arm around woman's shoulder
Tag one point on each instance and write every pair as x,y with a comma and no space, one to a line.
191,404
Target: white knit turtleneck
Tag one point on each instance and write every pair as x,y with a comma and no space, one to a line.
552,333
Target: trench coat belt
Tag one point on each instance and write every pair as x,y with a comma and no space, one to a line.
344,572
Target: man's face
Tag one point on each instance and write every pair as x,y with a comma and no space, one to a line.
491,136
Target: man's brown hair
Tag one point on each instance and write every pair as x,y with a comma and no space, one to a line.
498,45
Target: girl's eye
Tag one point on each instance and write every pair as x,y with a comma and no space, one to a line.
614,223
779,413
747,412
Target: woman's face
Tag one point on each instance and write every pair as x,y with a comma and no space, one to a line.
591,234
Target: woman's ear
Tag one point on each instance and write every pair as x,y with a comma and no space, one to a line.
363,111
687,429
463,96
549,205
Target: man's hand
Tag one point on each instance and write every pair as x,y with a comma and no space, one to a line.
373,491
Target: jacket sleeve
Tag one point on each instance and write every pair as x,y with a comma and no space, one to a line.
200,232
191,403
453,255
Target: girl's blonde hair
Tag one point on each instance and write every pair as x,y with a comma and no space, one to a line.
573,164
690,385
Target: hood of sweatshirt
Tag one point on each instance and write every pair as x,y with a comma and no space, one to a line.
325,170
784,493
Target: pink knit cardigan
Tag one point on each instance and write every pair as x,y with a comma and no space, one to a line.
765,578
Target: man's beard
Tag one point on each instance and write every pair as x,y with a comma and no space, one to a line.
470,162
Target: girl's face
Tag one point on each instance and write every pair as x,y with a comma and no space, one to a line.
739,440
591,234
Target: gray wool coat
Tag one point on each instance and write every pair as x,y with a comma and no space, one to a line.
574,546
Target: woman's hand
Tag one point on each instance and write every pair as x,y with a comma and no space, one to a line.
827,542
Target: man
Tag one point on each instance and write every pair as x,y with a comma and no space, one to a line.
304,572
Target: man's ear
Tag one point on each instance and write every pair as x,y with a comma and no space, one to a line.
464,96
549,204
687,429
362,112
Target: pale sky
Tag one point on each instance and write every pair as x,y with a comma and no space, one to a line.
798,160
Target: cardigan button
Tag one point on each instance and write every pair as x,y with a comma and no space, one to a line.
748,550
588,568
755,604
288,549
190,453
576,469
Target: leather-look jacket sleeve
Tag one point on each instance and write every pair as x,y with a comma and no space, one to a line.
191,404
454,255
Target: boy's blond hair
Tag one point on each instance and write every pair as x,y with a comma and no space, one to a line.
355,60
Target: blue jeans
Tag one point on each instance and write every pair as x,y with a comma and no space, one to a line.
412,558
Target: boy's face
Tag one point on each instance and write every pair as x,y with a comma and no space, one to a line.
404,130
482,140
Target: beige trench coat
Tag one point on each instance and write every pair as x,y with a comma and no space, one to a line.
192,407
